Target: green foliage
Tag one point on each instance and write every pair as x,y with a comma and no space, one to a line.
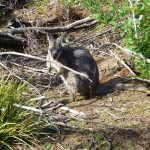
134,18
15,124
142,67
41,5
96,142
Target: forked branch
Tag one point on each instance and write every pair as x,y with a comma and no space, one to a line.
70,27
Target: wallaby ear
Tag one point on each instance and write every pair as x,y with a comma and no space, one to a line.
51,41
59,40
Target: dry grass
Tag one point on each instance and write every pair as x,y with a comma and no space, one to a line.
50,10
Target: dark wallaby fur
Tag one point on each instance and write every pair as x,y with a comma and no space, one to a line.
80,60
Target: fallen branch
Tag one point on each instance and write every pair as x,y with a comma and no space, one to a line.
55,62
38,98
72,111
9,39
29,108
29,69
69,27
131,52
54,115
118,118
133,78
122,62
98,35
6,37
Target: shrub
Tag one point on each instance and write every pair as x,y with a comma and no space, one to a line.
15,124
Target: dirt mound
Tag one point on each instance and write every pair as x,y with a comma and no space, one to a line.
52,11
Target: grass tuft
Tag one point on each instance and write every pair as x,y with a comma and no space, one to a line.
16,124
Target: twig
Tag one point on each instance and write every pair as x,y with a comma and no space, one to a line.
72,111
122,62
67,117
29,108
96,36
61,146
82,35
85,25
133,18
55,62
38,98
46,104
20,78
65,108
131,52
113,115
29,69
111,107
70,126
133,78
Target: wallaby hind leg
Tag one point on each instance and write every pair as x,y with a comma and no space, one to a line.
57,76
72,96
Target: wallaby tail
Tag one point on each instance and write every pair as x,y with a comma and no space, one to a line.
105,89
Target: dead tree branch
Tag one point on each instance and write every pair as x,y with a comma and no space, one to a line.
113,54
98,35
2,6
29,69
133,78
131,52
54,115
70,27
7,38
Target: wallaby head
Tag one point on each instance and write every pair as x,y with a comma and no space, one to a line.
54,49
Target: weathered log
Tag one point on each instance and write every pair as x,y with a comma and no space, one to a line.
15,23
9,39
2,6
70,27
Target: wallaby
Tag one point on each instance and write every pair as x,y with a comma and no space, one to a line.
81,61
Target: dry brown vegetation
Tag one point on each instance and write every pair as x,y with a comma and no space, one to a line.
126,111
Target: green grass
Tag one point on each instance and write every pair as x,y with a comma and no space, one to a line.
16,124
